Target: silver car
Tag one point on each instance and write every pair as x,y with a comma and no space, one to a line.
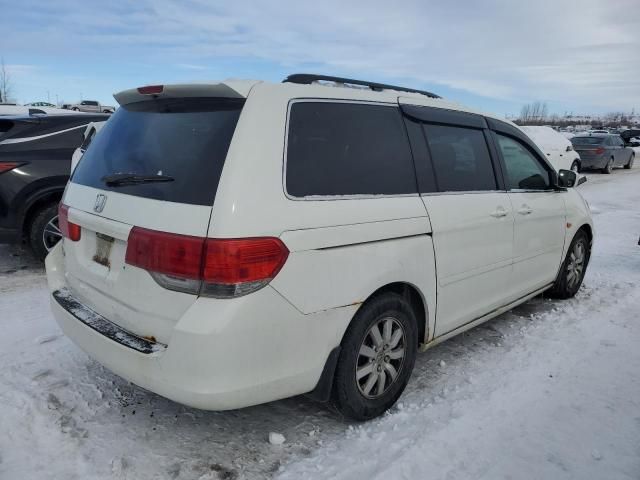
603,151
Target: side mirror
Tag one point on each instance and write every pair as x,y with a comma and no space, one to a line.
567,178
569,148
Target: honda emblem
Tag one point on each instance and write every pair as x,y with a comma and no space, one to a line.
100,202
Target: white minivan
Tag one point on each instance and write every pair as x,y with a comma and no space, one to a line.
236,243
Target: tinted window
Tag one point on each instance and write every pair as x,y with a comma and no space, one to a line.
90,102
587,140
347,149
186,139
523,170
460,159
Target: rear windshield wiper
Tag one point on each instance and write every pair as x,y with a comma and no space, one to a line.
118,179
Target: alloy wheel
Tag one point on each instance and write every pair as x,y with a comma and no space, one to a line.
381,357
575,267
51,234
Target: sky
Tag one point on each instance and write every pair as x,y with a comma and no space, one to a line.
580,57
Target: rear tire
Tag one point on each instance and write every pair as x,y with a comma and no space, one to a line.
629,164
608,167
374,366
43,233
573,268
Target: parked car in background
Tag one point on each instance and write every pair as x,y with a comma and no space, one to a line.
631,137
558,149
31,109
89,133
599,131
603,151
90,106
35,157
40,104
275,239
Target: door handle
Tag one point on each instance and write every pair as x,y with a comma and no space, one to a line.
499,212
525,210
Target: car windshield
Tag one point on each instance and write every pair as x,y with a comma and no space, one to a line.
587,140
185,139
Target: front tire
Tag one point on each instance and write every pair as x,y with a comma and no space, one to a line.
43,233
629,164
575,166
573,268
376,359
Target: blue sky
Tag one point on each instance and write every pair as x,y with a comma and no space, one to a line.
578,56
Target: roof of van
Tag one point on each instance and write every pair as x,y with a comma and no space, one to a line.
234,88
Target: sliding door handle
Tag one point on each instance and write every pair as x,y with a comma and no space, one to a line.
525,210
499,213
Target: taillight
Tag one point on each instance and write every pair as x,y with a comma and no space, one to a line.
222,268
599,151
6,166
151,90
68,229
234,267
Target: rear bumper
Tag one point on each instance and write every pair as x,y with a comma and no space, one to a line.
594,162
223,354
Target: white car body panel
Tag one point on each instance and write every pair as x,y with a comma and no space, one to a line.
539,238
473,238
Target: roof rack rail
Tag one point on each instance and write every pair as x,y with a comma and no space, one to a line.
308,78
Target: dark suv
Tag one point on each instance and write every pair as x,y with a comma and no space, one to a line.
35,163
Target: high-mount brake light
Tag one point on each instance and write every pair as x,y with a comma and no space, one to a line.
151,90
221,268
68,229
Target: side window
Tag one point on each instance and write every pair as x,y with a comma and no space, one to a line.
347,149
460,158
523,170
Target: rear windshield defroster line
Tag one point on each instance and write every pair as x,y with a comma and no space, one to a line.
185,138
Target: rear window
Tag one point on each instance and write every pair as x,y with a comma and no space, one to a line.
347,149
587,140
186,139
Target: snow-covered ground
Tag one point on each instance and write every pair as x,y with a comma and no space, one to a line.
550,390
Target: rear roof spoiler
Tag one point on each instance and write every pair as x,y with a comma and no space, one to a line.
226,89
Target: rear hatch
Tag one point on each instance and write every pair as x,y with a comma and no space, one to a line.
154,168
588,147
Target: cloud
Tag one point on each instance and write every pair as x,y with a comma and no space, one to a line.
582,52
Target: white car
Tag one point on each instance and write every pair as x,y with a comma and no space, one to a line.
556,146
27,110
92,129
236,243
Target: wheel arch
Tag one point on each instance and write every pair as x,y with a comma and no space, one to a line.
415,298
38,202
323,389
588,230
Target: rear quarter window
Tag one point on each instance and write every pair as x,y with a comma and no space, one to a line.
337,149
